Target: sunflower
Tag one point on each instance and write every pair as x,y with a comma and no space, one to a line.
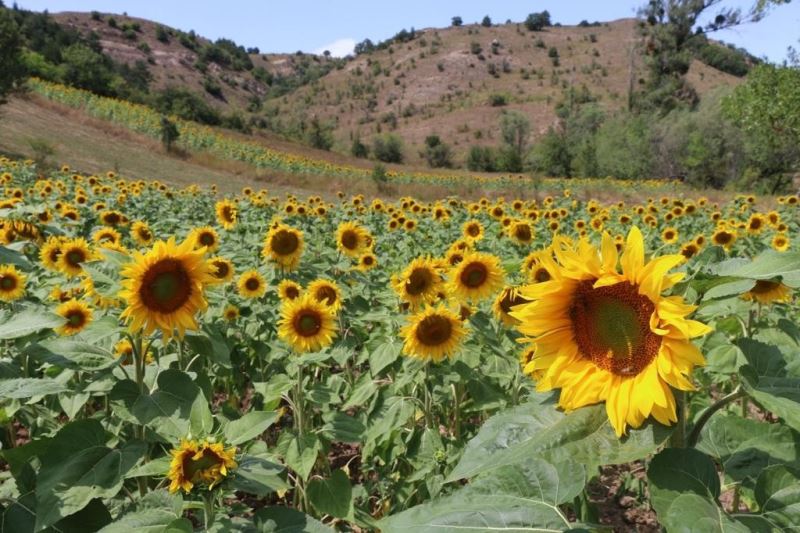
690,249
204,237
352,240
766,292
107,235
230,313
601,335
284,245
74,252
756,223
419,282
12,283
472,231
521,232
221,269
723,237
326,292
112,218
506,300
289,290
49,253
227,212
141,233
477,277
368,261
306,324
199,463
77,314
433,334
780,242
252,284
669,235
164,288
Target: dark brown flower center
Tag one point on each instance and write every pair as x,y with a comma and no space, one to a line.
222,269
510,299
474,275
350,239
8,283
252,284
434,330
419,281
166,286
523,232
291,292
307,323
207,238
611,326
326,294
75,257
763,286
76,318
284,242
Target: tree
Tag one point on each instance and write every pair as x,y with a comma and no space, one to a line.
457,21
11,64
320,135
437,153
481,159
767,109
87,69
388,148
515,129
358,148
551,154
169,133
486,22
538,21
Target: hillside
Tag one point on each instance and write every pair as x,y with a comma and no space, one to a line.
455,82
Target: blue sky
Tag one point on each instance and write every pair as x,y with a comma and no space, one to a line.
316,25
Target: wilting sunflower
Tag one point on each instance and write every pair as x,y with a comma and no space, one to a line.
352,239
252,284
289,290
230,313
780,242
368,261
204,237
77,314
74,253
227,212
433,334
601,335
767,292
284,245
477,277
472,230
164,288
690,249
141,233
221,269
12,283
306,324
326,292
199,463
419,283
506,300
521,231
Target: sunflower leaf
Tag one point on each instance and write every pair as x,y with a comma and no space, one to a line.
28,321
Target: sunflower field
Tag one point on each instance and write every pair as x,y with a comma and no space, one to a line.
176,360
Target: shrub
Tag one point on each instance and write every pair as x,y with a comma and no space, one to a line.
437,153
213,88
456,22
481,159
388,148
359,149
475,48
486,22
112,22
162,34
97,16
498,100
538,21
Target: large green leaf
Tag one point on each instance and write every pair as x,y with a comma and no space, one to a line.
691,513
333,495
523,497
781,395
383,356
157,512
249,426
77,467
538,429
285,520
778,495
768,265
16,389
302,453
676,471
72,354
29,321
258,476
746,447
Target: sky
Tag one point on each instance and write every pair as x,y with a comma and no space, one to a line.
336,25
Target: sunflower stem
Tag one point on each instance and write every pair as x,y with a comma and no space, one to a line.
678,439
456,387
139,366
709,412
298,401
208,510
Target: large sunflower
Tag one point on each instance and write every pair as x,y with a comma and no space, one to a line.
164,288
284,245
227,212
477,277
602,335
326,292
12,283
252,284
74,253
352,239
199,463
419,283
306,324
77,316
433,334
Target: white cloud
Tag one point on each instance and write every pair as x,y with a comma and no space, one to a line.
338,48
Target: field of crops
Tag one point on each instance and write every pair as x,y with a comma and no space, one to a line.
173,360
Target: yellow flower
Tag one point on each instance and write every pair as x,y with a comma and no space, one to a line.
164,288
306,324
107,235
227,212
723,237
284,245
352,239
756,224
669,235
74,253
368,261
780,242
326,292
230,313
289,290
12,283
141,233
124,351
252,284
204,237
433,334
49,253
77,314
477,277
221,269
472,231
521,231
506,300
602,335
419,283
767,292
199,463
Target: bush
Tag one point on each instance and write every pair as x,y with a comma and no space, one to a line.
456,22
498,100
320,135
112,22
213,88
486,22
481,159
186,105
538,21
552,52
97,16
162,34
359,149
437,153
388,148
475,48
